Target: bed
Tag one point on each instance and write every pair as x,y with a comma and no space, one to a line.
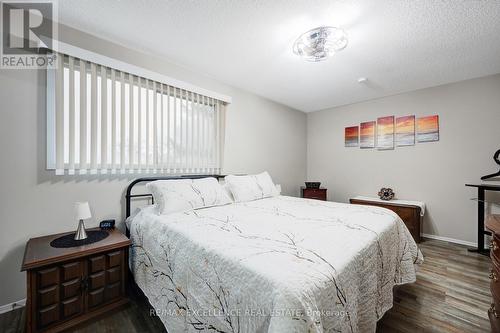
279,264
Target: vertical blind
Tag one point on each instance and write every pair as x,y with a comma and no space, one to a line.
110,121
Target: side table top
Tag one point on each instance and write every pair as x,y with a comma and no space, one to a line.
38,251
395,201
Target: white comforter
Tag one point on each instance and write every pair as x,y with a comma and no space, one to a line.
280,264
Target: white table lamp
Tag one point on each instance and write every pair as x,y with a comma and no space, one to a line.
82,211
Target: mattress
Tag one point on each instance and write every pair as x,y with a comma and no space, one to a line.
280,264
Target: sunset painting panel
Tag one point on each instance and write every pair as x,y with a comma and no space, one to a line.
367,135
385,133
405,131
351,136
428,129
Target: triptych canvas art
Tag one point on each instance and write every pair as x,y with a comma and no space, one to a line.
387,132
367,134
351,136
428,129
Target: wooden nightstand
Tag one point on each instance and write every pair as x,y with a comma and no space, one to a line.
67,286
313,193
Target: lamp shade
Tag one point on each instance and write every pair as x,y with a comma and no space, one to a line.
82,210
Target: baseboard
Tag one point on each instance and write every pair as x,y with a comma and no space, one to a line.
451,240
12,306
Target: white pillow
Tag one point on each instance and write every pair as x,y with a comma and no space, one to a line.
266,184
251,187
211,192
227,190
181,195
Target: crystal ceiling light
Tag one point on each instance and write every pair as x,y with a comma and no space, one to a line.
320,43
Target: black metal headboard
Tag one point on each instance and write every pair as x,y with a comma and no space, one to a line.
129,196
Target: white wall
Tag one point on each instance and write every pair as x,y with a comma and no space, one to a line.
261,135
433,172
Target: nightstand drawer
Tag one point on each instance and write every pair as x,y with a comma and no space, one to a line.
316,197
48,296
97,280
48,277
71,288
48,315
114,274
114,259
96,298
97,264
71,307
113,291
72,270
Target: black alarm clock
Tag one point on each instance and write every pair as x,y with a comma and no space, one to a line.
107,224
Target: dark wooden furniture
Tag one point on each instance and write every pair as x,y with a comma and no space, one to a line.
410,214
481,189
313,193
70,285
493,224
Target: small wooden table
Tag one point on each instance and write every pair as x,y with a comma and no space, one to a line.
411,212
313,193
66,286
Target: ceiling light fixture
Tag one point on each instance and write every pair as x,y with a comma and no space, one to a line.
320,43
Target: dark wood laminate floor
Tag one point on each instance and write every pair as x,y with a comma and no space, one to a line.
451,295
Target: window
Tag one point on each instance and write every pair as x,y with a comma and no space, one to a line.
104,120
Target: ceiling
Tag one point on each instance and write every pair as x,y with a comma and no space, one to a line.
399,45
